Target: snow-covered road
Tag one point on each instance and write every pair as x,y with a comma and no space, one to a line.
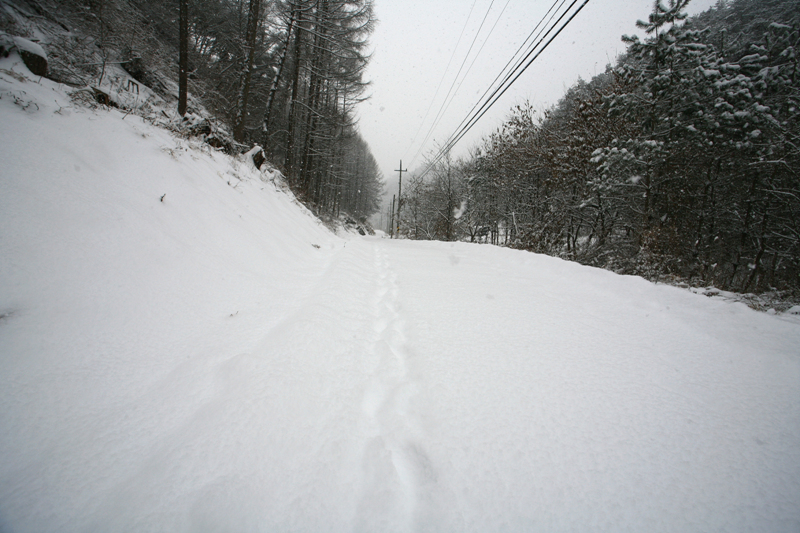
455,387
184,348
508,391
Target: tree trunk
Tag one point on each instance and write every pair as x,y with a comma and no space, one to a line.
289,160
274,88
247,70
312,181
183,63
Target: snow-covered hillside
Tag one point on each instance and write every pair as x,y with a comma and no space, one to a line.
185,348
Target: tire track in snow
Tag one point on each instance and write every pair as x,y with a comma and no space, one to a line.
395,468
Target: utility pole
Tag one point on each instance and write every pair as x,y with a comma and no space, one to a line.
391,224
400,194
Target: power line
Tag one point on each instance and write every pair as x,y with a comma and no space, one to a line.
530,48
510,61
484,100
444,74
491,31
518,65
460,134
481,48
445,104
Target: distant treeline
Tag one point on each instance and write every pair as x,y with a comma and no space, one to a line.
682,161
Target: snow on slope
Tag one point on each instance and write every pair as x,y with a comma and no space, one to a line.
113,300
219,362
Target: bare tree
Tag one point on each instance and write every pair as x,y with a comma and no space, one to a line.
183,78
253,21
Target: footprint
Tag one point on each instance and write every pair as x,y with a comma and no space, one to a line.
374,396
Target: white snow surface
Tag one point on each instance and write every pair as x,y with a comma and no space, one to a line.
219,361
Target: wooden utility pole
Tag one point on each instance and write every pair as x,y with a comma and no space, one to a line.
400,194
391,223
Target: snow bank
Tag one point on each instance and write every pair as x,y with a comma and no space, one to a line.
133,264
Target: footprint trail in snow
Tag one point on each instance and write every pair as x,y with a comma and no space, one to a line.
395,467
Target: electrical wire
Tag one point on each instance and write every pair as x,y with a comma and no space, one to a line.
444,74
445,103
457,136
481,48
510,61
518,63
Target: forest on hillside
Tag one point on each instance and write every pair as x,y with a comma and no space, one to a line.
284,74
681,162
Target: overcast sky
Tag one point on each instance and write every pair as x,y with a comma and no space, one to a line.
415,39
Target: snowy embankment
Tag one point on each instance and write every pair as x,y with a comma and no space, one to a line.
218,361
